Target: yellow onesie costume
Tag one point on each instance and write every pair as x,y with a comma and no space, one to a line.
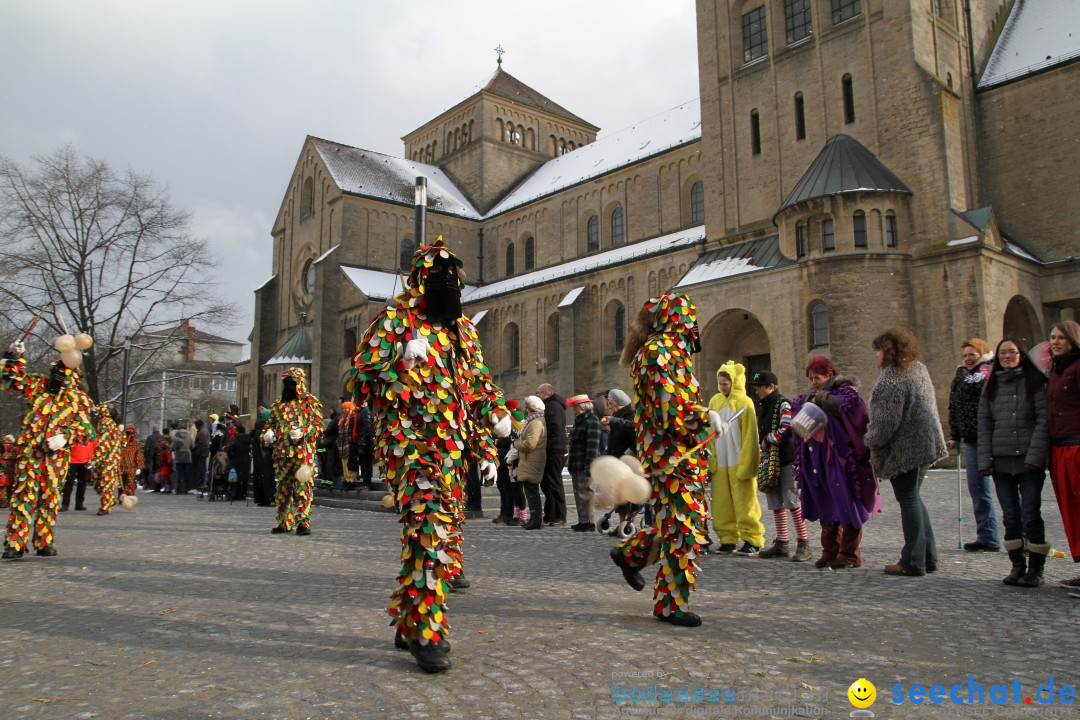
733,466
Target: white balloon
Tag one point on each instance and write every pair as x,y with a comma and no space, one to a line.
64,343
84,341
72,358
304,473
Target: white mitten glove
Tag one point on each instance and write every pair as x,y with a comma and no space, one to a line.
512,456
268,437
417,349
17,348
488,472
56,442
502,427
296,434
719,426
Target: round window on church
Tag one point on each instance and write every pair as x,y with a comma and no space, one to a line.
309,277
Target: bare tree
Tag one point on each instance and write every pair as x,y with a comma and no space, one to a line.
107,249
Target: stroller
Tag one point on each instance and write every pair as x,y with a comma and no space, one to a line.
623,521
217,487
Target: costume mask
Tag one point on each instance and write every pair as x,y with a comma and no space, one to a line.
441,292
288,389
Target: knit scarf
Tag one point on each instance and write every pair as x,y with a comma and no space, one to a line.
769,471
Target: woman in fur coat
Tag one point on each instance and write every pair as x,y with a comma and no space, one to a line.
905,438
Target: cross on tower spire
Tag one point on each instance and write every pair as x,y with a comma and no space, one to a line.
500,52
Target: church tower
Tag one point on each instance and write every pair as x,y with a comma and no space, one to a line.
493,140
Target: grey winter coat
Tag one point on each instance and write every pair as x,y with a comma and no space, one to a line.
904,431
181,447
1013,425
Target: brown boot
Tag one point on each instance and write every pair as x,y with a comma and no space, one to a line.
779,549
802,552
849,555
830,544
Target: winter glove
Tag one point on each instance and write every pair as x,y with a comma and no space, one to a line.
56,442
417,349
268,437
16,349
488,472
502,427
296,434
719,426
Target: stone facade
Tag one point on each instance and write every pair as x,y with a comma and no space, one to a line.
976,245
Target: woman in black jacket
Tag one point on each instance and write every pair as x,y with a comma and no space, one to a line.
1013,443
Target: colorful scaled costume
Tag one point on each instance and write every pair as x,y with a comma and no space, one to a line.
131,460
670,421
7,469
58,414
107,457
421,363
293,428
733,468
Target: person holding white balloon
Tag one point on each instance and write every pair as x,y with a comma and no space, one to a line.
58,414
292,429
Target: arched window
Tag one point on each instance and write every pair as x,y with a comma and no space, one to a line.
800,118
594,233
819,324
755,133
858,222
408,247
530,253
553,338
828,235
890,230
513,346
697,202
307,198
620,328
800,240
849,100
349,341
618,226
510,259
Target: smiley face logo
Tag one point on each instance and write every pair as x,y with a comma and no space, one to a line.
862,693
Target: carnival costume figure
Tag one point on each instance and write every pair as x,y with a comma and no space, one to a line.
7,469
671,426
293,428
107,457
436,409
131,460
58,414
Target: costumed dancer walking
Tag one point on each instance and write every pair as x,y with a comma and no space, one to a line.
670,421
7,469
436,408
58,413
293,428
131,460
107,457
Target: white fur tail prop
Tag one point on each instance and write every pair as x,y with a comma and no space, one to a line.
619,480
128,502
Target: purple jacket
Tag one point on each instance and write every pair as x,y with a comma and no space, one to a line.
836,482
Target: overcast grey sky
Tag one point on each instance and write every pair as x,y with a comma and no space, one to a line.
214,97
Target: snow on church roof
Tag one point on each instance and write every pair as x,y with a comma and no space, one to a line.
615,256
384,177
1038,35
678,126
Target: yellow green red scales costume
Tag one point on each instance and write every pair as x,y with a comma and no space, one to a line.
7,469
433,420
293,497
669,419
131,460
39,471
107,458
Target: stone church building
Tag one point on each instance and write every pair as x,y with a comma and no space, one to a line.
851,165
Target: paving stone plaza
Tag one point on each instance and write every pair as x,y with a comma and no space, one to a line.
189,609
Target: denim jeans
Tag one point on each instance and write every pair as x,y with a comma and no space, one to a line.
1020,496
982,503
919,547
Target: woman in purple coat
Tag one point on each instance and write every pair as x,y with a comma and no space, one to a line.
836,482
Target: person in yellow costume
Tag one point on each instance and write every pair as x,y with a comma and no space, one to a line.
734,464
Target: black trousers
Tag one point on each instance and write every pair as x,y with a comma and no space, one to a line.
532,497
77,478
552,487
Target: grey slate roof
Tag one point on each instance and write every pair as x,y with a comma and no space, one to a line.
507,86
746,257
1039,34
843,166
295,351
384,177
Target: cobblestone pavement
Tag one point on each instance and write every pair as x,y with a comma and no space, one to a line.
189,609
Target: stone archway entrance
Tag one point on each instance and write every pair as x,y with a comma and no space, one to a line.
732,335
1022,322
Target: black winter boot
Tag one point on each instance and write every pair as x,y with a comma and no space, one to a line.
1036,559
1019,561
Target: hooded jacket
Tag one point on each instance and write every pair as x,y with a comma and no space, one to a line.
737,453
967,387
